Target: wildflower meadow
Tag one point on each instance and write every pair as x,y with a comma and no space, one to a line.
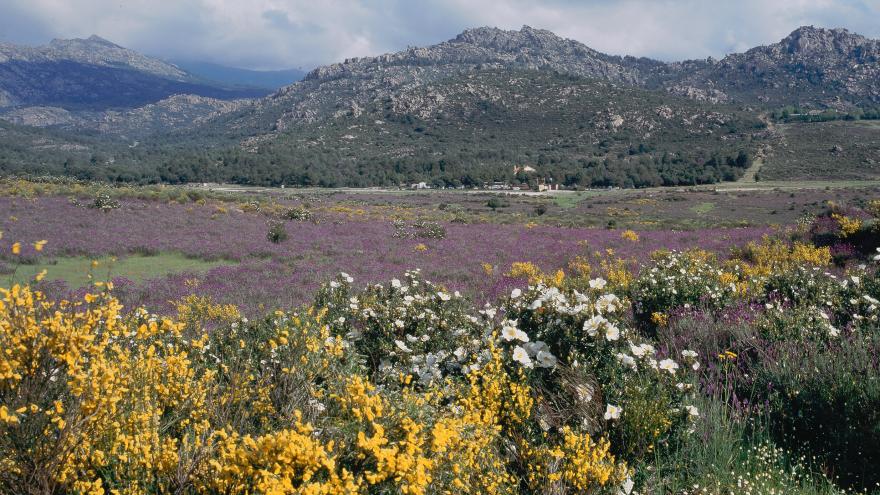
330,353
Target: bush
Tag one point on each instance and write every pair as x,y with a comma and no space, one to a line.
277,232
495,203
676,280
104,202
824,400
299,214
419,230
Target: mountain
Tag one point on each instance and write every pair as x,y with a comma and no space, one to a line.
92,51
175,112
811,68
95,74
465,111
230,76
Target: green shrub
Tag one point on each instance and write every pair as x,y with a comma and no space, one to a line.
277,232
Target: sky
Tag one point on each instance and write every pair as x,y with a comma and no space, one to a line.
276,34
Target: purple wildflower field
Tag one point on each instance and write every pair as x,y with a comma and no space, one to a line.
266,275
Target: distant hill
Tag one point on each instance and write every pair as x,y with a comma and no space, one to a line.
95,74
230,76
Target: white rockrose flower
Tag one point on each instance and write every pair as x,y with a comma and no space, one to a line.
626,487
612,412
668,365
402,346
584,393
627,360
545,359
521,356
642,350
612,332
592,325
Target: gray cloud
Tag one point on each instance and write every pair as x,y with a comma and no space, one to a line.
290,33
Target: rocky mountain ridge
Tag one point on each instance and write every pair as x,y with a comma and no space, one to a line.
175,112
94,74
93,50
460,111
811,68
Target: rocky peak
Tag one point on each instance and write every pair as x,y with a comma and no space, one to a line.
811,41
487,46
94,41
97,39
499,39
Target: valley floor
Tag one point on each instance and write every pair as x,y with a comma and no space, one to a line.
692,340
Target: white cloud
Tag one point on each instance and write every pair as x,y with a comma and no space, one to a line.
288,33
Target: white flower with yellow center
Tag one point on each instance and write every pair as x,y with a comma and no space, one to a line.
612,412
592,325
521,356
612,332
668,365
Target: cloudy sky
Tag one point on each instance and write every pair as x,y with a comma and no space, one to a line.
272,34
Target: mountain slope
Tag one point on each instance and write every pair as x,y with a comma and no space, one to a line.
475,127
95,74
94,51
810,68
175,112
467,110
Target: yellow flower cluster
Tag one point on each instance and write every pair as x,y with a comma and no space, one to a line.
578,462
101,394
630,235
534,275
287,461
617,272
848,226
775,256
94,400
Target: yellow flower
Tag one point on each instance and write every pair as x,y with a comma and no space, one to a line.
38,246
727,355
16,248
40,276
659,319
630,235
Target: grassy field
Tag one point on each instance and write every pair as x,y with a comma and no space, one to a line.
840,150
75,271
